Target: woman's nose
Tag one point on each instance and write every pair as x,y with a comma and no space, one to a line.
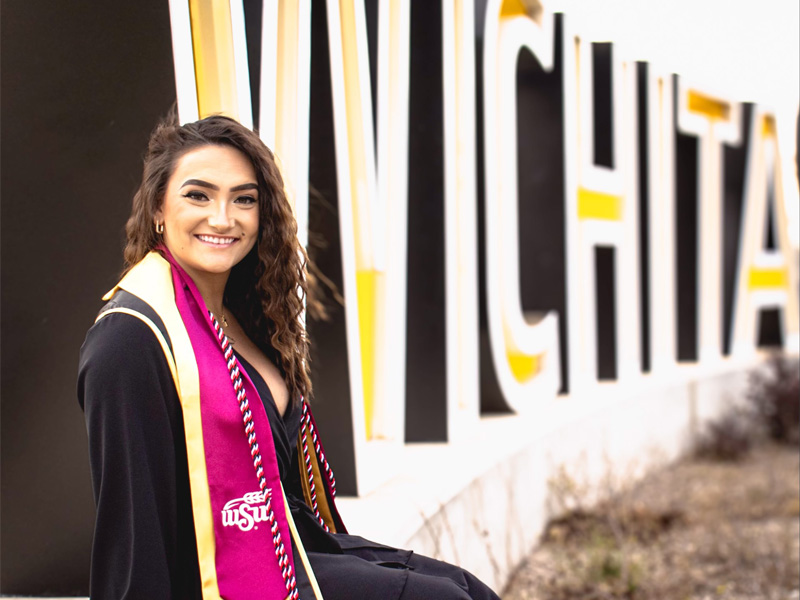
220,217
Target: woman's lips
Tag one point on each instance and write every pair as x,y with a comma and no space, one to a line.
217,240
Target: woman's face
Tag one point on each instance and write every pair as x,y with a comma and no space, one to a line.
210,210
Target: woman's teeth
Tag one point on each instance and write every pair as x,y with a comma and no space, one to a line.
220,241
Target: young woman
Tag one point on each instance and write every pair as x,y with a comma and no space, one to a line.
208,474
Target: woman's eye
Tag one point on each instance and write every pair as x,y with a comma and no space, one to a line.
247,200
196,196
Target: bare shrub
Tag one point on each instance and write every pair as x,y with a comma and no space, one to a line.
772,408
774,395
730,437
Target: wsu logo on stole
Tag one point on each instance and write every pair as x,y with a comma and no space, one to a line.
247,511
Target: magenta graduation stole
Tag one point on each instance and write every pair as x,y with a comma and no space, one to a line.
253,541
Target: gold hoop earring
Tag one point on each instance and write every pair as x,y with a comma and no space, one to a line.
159,228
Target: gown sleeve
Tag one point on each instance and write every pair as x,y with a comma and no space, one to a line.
144,543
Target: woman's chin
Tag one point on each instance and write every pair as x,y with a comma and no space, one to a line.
215,267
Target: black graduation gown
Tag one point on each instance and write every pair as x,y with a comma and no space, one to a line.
144,540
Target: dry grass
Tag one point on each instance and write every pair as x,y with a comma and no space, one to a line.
697,530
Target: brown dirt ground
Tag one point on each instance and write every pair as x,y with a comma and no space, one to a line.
696,530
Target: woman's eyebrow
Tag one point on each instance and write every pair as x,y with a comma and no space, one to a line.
244,186
211,186
200,183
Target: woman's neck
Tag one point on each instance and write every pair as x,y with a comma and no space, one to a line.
213,292
211,287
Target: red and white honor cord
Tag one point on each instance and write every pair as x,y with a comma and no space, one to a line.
247,417
307,425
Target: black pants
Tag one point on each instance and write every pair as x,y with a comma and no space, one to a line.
374,572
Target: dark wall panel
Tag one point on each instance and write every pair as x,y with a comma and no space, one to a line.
686,249
606,314
769,332
329,359
371,18
734,163
770,239
603,105
643,150
253,14
491,398
426,377
83,83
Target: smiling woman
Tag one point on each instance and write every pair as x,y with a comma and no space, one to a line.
210,213
209,475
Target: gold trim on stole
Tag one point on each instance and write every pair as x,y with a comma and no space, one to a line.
156,331
151,280
300,550
322,499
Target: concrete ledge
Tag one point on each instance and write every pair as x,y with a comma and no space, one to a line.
482,503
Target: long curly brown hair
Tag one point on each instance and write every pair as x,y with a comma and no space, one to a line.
266,290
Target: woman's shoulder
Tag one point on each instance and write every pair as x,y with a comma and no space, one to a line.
119,326
129,319
121,340
122,353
